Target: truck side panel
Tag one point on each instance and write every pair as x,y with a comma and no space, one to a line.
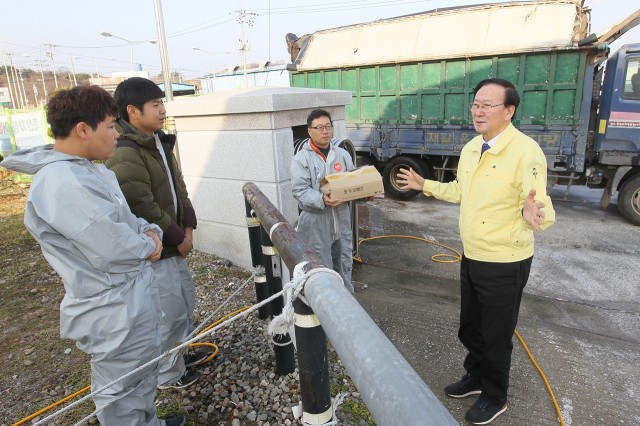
422,107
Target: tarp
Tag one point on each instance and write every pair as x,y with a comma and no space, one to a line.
447,33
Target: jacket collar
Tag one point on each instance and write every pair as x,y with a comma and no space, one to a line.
129,132
503,141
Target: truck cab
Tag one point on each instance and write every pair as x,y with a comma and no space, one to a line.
617,136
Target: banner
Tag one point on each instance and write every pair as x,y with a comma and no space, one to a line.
29,130
5,136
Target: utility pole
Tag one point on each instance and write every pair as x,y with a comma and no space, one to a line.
73,70
6,71
50,55
24,91
44,86
164,57
243,45
35,94
16,82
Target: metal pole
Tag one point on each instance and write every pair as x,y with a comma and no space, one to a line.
6,71
243,44
313,364
213,64
35,94
44,86
73,70
164,57
24,91
50,54
392,390
260,281
16,83
131,54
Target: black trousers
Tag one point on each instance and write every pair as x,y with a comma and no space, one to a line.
490,302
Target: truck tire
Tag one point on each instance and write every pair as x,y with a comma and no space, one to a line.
347,145
390,179
629,200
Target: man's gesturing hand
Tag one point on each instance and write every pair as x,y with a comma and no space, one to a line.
532,210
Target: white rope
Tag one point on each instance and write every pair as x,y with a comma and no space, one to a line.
86,419
259,270
166,354
285,319
280,324
283,322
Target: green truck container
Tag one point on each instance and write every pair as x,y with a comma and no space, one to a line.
413,111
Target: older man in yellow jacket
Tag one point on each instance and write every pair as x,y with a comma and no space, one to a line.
501,188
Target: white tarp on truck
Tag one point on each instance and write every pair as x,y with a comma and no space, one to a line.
445,33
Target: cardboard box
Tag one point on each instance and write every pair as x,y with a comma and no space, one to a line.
360,183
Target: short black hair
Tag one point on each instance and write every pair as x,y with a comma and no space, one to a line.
317,113
135,91
511,96
82,104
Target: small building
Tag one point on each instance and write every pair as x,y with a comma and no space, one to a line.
266,75
180,89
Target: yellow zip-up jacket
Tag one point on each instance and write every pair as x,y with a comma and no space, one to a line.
491,191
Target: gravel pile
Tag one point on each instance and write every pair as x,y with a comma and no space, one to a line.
240,386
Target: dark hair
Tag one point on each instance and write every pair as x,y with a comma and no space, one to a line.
317,113
511,96
135,91
86,104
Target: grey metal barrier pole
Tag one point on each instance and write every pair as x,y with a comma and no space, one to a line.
259,280
392,390
283,346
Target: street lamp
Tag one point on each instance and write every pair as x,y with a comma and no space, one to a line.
131,43
213,63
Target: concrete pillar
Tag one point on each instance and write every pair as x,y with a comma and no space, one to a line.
229,138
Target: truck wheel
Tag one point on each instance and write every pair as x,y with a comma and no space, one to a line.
629,200
347,145
390,179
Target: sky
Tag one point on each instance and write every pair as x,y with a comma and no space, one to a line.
70,30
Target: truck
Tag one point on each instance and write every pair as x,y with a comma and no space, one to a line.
412,79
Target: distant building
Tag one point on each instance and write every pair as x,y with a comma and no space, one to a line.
233,78
110,83
180,89
5,97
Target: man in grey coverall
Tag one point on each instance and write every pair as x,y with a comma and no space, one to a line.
324,224
78,214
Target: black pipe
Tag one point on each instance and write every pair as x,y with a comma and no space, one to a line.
291,248
311,341
257,260
313,362
283,346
